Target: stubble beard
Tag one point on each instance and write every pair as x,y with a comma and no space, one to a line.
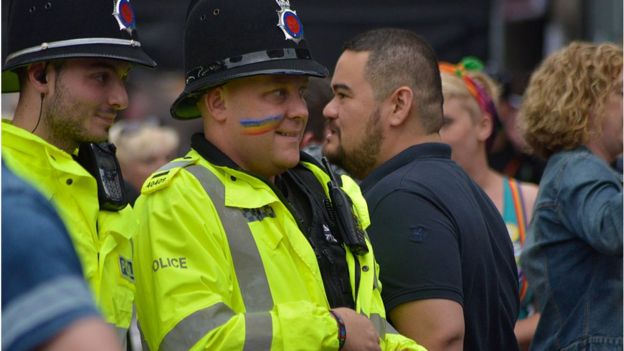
362,159
65,120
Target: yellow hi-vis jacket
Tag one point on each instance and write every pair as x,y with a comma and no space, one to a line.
101,238
233,271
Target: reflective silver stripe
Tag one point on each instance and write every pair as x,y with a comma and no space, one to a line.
375,282
144,344
379,324
72,42
248,265
192,328
173,164
258,331
249,271
45,302
390,329
122,335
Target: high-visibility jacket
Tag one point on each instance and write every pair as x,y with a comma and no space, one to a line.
101,238
233,271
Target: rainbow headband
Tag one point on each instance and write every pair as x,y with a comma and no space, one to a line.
252,126
462,70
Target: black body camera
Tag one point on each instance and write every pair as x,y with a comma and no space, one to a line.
99,159
349,228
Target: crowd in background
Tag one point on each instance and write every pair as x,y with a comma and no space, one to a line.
520,193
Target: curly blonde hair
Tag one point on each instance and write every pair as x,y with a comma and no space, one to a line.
569,89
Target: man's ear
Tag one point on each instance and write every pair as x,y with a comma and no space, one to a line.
36,74
400,105
213,103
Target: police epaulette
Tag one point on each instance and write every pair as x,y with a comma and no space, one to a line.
163,176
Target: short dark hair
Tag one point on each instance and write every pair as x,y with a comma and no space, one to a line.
400,57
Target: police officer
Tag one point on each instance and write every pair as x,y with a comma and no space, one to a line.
239,246
69,61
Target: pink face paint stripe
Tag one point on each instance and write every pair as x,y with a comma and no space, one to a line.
260,126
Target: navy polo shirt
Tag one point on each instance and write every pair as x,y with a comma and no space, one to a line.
437,235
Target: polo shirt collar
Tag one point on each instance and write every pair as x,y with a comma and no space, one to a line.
414,152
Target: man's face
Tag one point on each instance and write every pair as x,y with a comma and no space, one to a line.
266,116
354,129
83,101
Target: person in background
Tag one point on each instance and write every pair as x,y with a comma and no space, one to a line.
317,95
239,244
69,60
142,148
470,115
508,152
46,303
447,265
572,115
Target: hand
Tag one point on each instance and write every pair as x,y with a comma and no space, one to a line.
361,334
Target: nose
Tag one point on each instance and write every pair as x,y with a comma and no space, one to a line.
118,97
330,111
298,108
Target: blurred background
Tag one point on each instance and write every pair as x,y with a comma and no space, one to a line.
510,36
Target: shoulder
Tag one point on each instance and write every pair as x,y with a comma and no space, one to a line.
164,177
578,167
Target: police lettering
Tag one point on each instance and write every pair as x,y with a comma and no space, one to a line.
166,262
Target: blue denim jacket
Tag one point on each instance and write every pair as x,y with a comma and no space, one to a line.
573,257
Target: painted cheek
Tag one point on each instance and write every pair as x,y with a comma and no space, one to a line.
259,126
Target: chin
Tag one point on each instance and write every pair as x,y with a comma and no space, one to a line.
289,162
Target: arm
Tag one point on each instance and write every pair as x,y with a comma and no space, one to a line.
360,333
525,329
89,334
437,324
45,300
408,245
591,204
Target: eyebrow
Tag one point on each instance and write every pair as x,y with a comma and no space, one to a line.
106,65
340,86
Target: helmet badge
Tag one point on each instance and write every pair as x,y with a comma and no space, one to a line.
289,22
124,14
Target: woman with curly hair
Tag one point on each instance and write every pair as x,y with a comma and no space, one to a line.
470,125
572,115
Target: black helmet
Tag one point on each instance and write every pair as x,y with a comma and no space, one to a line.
41,30
228,39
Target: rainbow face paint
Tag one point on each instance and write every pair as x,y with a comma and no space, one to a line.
259,126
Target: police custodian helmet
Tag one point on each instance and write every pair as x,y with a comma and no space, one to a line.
41,30
228,39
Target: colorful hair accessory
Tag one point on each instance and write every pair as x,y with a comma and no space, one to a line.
477,91
260,126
